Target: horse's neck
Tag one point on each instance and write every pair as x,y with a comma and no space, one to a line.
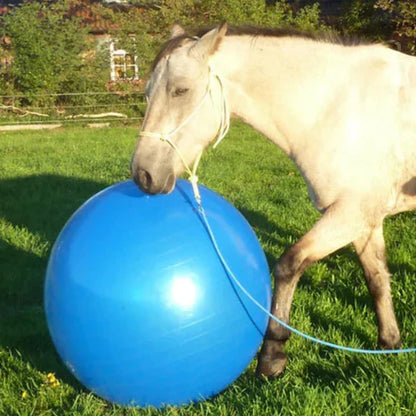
273,83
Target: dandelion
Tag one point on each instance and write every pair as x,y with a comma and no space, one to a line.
51,380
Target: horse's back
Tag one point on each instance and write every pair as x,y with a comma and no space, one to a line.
364,144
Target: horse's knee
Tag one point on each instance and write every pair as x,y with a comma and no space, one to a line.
277,332
292,264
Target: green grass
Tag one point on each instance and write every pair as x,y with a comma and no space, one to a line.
45,176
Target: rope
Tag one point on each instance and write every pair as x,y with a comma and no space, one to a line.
191,172
271,316
222,131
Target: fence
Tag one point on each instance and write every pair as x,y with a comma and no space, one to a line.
57,109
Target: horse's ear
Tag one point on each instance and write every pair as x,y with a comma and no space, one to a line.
177,30
209,43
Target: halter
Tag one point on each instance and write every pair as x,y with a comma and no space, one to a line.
224,117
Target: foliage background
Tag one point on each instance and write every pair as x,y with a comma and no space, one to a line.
53,51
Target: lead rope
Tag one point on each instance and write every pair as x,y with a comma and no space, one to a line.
193,178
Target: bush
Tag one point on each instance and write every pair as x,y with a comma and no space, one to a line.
402,15
382,20
51,52
362,18
135,33
195,13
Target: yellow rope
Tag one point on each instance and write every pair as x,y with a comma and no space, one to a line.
193,178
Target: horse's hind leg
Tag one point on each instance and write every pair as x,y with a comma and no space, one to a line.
339,226
372,253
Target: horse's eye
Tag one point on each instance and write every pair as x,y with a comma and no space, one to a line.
180,91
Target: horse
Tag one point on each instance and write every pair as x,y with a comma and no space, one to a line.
344,113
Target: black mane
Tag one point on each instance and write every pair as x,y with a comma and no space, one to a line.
287,31
256,31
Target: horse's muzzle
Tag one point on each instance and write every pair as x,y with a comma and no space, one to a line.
148,183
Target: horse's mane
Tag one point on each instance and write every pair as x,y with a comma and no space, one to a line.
255,31
287,31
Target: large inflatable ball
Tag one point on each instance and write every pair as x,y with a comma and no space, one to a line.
140,307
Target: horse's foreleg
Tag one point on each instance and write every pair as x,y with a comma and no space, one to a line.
333,231
372,253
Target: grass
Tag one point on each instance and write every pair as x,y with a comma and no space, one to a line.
45,176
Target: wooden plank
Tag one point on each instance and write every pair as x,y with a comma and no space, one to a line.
29,127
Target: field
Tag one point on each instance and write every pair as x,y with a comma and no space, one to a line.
45,176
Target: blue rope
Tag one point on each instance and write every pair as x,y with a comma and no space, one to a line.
271,316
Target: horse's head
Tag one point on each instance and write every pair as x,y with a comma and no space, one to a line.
182,112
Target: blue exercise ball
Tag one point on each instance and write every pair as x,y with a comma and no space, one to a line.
138,304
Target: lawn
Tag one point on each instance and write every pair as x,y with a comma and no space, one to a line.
45,176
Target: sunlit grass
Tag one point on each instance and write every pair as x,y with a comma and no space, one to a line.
45,176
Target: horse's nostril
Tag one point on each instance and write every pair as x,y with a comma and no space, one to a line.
143,179
170,183
154,184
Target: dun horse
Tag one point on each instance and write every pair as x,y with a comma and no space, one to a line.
345,114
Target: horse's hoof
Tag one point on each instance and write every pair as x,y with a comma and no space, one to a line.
271,367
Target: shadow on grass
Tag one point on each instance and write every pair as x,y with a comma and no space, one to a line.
342,290
265,231
40,206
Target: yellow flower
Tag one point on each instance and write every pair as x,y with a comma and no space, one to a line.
51,380
25,394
